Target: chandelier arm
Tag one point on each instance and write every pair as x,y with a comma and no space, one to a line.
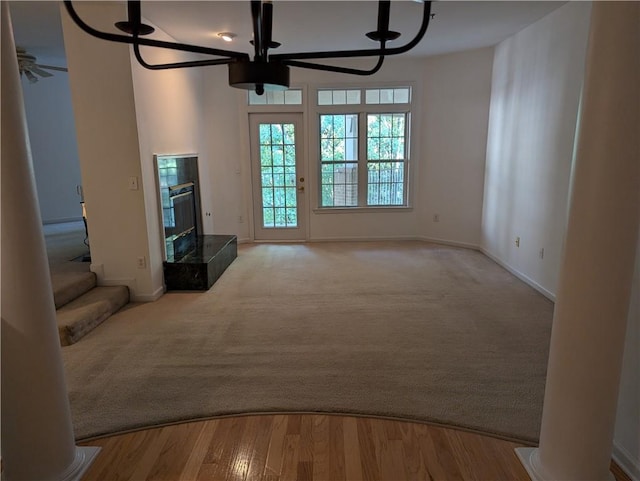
334,68
166,66
135,14
384,7
256,17
267,27
147,41
364,52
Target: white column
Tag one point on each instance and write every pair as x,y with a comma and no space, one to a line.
37,435
589,323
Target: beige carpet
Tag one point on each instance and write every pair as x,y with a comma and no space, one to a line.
403,329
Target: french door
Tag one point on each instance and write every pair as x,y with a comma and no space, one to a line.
278,179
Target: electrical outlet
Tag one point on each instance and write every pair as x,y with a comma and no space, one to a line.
142,262
541,253
517,241
240,219
436,217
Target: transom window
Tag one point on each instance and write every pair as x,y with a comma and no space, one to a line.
363,151
276,97
396,95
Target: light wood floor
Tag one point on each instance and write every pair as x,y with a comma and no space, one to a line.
305,447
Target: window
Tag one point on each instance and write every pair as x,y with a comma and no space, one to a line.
278,172
276,97
339,160
386,156
363,148
338,97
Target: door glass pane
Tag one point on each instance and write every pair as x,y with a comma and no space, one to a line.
278,176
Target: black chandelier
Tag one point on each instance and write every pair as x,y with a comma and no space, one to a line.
266,71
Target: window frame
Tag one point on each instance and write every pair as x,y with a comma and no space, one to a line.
361,110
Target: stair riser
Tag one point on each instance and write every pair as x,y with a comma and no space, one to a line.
81,316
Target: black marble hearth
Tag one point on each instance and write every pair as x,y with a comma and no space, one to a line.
202,265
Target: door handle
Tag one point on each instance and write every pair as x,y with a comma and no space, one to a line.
301,188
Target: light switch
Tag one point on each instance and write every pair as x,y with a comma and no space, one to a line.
133,183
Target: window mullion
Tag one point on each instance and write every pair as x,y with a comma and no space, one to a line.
407,140
362,160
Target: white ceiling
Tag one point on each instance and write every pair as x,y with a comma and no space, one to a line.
303,25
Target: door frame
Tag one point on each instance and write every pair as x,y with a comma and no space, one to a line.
301,233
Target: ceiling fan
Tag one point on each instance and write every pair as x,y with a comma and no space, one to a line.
27,65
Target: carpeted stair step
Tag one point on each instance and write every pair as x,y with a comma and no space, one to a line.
69,285
82,315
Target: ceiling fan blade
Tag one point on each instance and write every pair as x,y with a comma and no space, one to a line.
32,78
53,67
39,71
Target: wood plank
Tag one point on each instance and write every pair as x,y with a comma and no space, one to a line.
305,471
388,451
507,461
230,455
291,457
293,423
263,428
151,454
414,462
241,460
436,452
199,452
368,459
218,442
336,449
464,457
321,448
173,457
306,440
352,456
273,465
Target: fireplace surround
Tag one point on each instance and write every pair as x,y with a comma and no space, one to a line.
192,260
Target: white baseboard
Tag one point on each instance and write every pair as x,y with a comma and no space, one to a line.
132,284
546,293
432,240
446,242
157,294
624,459
363,239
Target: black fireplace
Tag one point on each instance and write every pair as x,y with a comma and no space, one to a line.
193,261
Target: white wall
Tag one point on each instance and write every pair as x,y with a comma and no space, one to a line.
537,77
626,443
225,129
108,145
169,113
457,91
53,147
434,160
